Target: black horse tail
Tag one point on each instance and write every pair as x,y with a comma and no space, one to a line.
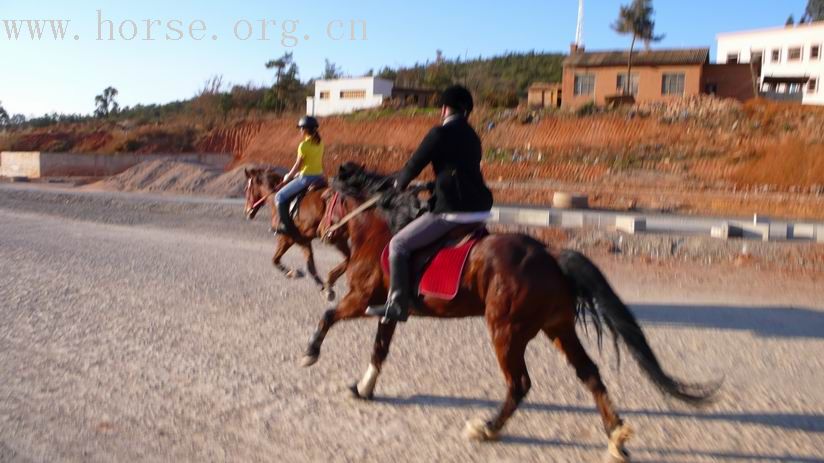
596,298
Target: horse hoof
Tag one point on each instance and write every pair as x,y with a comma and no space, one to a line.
329,295
294,274
309,360
479,430
619,457
353,393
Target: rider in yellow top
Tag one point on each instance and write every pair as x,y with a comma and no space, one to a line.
307,170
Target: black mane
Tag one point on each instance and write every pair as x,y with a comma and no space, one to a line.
398,208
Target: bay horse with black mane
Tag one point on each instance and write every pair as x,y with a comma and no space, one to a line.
261,186
512,281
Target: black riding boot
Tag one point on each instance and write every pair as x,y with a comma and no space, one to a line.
286,227
400,295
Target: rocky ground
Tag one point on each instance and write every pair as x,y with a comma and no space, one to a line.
153,328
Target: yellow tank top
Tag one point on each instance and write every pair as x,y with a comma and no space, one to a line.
312,155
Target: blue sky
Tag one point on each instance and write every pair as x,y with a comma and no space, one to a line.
47,75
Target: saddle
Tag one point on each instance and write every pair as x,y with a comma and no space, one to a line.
294,206
437,269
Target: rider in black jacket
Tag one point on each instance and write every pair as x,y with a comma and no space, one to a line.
461,196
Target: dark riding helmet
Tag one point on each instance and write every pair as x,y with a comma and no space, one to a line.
308,122
458,97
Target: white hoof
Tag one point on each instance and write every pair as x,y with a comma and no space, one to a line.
329,295
616,453
309,360
479,430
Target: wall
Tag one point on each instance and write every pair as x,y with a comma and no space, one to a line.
36,164
20,164
376,91
783,38
649,84
731,80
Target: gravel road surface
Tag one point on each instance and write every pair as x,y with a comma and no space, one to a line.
141,328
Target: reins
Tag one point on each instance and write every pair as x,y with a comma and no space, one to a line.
358,210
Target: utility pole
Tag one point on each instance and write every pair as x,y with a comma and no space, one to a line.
579,31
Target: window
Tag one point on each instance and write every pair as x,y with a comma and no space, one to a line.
794,54
812,86
732,58
815,52
776,55
621,83
584,84
352,94
324,95
757,57
673,84
794,88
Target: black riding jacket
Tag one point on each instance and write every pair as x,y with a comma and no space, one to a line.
454,150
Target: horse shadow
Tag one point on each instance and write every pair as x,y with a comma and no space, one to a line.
807,422
769,322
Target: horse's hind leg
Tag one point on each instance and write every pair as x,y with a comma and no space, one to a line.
617,432
365,389
509,349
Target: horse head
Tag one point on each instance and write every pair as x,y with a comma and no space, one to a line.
260,185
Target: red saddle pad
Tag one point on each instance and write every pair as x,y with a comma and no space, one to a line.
442,275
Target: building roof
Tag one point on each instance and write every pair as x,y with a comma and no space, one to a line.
681,56
545,86
773,30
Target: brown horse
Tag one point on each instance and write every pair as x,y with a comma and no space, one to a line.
521,290
261,186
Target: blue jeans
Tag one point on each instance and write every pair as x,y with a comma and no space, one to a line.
293,188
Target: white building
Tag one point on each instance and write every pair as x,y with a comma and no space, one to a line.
790,57
343,96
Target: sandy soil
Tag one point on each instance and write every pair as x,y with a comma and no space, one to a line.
135,328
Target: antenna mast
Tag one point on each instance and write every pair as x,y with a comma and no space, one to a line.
579,31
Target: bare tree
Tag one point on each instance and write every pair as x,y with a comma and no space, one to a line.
213,86
636,19
106,104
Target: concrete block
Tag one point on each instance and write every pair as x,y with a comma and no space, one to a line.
726,231
561,200
572,220
630,224
532,217
778,232
803,231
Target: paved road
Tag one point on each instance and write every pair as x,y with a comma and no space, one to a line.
133,329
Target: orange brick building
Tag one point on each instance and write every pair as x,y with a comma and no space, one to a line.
657,76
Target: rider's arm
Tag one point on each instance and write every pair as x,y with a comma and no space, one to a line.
422,157
295,169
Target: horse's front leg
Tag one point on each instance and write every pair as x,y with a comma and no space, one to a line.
310,265
365,389
338,271
283,243
352,306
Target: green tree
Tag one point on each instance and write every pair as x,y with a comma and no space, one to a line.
4,116
636,19
287,86
106,104
790,21
331,71
814,11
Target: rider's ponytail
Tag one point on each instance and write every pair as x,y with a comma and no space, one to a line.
314,135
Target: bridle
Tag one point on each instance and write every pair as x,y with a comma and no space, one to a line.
337,204
248,193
